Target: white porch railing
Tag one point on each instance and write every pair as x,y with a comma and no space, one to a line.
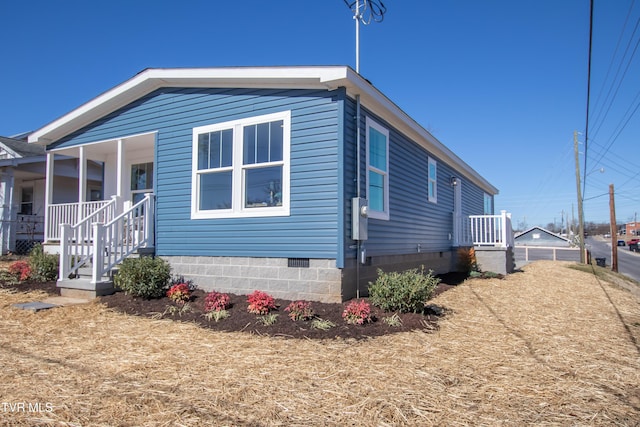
73,213
122,236
492,230
76,240
105,244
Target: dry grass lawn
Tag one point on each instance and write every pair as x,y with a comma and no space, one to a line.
548,346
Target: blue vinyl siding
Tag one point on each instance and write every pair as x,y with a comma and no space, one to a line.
311,229
413,219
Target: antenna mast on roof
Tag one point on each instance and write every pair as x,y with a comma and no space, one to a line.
365,11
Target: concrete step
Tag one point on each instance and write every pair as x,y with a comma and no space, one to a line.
84,288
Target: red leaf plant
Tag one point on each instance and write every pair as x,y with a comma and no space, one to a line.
179,293
260,303
20,269
299,310
357,312
216,301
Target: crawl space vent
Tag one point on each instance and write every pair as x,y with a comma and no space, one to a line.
298,262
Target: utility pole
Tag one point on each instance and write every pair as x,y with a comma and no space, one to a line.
614,230
580,211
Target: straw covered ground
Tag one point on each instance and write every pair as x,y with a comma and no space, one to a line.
550,345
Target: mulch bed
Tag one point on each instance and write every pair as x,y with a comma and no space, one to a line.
240,320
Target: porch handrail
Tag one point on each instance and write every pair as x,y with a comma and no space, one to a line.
122,236
75,240
492,230
71,213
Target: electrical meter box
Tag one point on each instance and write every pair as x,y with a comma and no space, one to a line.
359,218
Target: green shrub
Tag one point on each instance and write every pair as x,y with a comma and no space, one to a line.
44,267
405,291
144,277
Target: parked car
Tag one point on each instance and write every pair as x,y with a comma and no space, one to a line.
634,246
632,241
621,243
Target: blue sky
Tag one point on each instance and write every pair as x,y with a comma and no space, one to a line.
502,83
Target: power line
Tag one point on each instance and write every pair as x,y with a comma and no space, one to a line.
611,62
586,130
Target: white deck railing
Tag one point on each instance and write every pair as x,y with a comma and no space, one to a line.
105,244
492,230
73,213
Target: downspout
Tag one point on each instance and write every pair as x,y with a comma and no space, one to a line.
358,246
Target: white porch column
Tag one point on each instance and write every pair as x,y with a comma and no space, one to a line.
121,169
120,177
6,193
48,195
82,182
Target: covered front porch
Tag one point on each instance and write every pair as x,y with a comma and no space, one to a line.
127,174
106,224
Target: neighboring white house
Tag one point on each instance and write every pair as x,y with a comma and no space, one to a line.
22,191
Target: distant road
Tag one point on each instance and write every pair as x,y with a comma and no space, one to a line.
628,262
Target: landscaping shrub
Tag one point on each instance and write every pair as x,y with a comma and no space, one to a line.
179,293
260,303
467,260
299,310
405,291
144,277
44,267
176,280
21,270
357,312
216,301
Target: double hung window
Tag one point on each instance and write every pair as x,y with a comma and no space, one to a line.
241,168
377,170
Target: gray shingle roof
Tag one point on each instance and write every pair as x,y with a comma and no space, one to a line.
21,148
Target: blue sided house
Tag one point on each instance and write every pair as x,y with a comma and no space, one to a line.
298,181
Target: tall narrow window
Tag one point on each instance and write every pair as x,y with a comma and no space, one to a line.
377,170
488,204
26,205
241,168
141,180
432,181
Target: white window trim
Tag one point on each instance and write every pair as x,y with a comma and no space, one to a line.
384,215
433,198
237,183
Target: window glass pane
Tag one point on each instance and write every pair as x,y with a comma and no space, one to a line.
432,189
376,191
276,140
214,149
215,190
263,187
142,176
203,151
249,150
263,143
487,204
226,159
432,171
377,149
